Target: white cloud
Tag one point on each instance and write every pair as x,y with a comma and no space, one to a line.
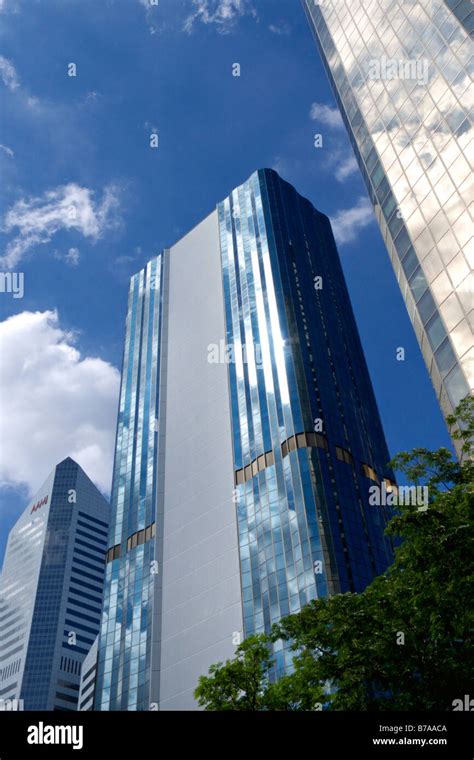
66,207
7,150
346,167
222,13
326,115
150,14
347,223
8,74
151,127
281,28
71,257
56,403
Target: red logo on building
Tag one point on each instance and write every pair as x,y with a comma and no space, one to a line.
39,504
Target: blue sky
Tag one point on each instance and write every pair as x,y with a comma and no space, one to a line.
85,202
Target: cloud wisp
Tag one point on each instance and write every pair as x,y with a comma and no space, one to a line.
326,115
7,150
223,14
347,223
8,74
71,207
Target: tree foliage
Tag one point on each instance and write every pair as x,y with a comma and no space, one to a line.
405,642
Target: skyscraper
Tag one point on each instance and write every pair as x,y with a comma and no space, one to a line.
85,701
248,437
400,75
51,591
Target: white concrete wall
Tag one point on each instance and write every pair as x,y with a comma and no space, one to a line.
201,594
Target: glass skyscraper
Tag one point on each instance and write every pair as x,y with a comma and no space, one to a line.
51,590
401,74
248,438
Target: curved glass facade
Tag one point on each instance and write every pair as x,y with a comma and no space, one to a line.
305,527
401,75
244,480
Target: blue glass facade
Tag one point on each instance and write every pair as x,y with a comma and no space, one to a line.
125,641
411,131
307,435
240,492
51,591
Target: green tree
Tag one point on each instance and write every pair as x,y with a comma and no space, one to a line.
406,641
238,684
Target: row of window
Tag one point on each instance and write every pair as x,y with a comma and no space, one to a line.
89,518
10,670
68,685
304,441
66,698
88,685
69,665
298,441
87,695
258,465
11,687
345,456
136,539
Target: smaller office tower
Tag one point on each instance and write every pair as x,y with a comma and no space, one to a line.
51,591
88,676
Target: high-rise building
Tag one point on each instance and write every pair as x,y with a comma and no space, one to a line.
51,590
85,702
401,78
248,438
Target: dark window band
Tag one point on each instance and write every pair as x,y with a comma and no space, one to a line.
136,539
299,441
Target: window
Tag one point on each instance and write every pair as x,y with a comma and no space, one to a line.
426,307
301,441
418,284
390,485
344,456
435,331
445,358
269,458
369,472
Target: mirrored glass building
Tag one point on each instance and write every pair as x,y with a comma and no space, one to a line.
248,438
401,75
51,592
